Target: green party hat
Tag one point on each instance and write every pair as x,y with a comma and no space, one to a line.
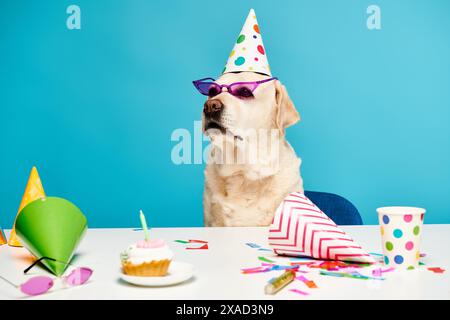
51,227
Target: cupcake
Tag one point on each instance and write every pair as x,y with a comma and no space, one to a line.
147,258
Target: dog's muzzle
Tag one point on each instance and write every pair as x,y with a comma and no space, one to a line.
213,109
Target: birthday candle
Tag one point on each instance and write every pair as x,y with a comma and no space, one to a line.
144,225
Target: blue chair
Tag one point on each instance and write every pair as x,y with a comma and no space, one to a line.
339,209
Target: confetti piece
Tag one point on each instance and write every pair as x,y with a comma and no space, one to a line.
204,247
421,263
264,259
422,255
388,270
436,270
251,269
198,241
348,269
181,241
355,275
278,267
255,270
333,274
309,283
376,254
299,292
268,267
253,245
377,272
263,249
360,276
301,278
267,264
332,265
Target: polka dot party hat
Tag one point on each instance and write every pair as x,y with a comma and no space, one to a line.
248,53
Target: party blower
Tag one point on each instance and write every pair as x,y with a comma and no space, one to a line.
51,227
300,228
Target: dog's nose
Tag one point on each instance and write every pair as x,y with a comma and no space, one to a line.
212,107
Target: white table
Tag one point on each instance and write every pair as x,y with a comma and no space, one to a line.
217,270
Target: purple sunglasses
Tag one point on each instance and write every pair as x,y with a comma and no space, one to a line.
41,284
208,87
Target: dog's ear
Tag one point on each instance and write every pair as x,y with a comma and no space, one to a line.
286,113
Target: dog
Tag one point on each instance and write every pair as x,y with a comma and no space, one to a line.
248,193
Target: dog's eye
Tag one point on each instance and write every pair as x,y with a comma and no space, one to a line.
213,91
244,92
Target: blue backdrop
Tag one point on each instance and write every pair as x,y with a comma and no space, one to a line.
94,109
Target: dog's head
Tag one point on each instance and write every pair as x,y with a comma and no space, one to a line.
268,107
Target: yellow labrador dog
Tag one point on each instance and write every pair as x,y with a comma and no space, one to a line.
260,167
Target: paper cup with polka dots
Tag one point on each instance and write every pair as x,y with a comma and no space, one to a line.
401,230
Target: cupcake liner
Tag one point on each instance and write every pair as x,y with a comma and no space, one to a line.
155,268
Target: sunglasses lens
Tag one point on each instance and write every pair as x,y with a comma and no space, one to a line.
242,90
208,88
78,276
36,285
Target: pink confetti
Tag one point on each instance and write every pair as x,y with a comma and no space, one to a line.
377,272
309,283
301,278
255,270
348,269
299,292
252,269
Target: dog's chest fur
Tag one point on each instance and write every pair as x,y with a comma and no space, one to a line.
239,200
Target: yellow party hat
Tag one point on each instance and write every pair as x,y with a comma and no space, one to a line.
33,191
2,237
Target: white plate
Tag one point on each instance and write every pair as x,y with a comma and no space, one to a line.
178,272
